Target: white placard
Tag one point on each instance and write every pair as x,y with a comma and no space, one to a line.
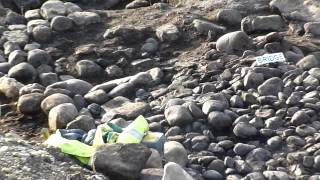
270,58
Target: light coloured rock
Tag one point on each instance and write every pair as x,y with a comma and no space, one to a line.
99,96
50,9
251,24
121,106
10,87
203,27
61,115
173,171
308,62
33,23
276,175
32,14
54,100
17,57
175,152
76,86
234,42
137,3
167,32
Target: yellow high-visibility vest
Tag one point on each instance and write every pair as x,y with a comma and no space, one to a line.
134,133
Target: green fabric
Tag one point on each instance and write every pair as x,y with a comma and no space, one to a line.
75,148
115,127
112,137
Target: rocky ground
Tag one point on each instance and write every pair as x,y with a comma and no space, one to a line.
189,67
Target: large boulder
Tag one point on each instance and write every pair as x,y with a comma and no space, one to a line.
308,62
253,80
61,115
245,130
123,107
10,87
123,89
98,96
175,152
219,120
30,103
229,16
50,9
36,22
203,27
54,100
178,116
167,32
23,72
16,57
83,122
5,67
120,161
42,33
88,69
61,23
76,86
271,86
38,57
251,24
234,42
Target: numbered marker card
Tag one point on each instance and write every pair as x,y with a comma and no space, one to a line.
270,58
